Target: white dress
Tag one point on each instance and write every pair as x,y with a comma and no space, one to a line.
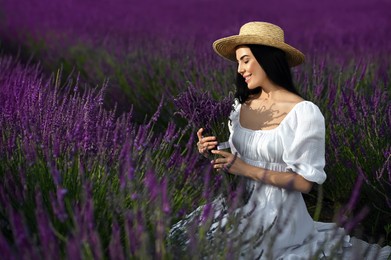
278,215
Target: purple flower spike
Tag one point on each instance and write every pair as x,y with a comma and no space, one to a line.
152,184
201,110
5,249
354,198
115,246
21,236
73,249
47,237
206,213
165,200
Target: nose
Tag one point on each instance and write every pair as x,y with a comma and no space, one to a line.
240,69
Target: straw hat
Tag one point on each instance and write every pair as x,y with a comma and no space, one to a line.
258,33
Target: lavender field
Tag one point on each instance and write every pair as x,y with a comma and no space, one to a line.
97,159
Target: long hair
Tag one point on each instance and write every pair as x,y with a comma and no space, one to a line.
273,61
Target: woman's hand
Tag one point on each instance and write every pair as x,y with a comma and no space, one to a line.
288,180
228,162
205,144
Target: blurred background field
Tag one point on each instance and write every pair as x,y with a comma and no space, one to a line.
94,159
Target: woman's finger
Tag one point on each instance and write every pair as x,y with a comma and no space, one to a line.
199,134
221,153
224,163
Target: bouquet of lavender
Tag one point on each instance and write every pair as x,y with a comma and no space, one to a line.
200,109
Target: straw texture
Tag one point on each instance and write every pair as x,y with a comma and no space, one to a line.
262,33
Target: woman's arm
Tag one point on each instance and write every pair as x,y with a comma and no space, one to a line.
286,180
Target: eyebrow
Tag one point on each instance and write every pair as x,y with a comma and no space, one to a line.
241,58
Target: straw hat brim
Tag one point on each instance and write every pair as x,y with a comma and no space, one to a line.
226,47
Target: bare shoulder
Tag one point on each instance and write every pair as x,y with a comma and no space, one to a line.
288,101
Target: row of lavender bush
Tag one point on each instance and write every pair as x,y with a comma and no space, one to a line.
77,182
85,183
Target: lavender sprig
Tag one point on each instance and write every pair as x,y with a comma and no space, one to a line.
200,109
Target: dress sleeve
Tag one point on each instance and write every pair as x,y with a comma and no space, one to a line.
304,143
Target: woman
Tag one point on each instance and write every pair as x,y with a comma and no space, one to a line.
277,144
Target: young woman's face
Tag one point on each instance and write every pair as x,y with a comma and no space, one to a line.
249,68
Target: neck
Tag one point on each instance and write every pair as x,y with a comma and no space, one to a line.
269,94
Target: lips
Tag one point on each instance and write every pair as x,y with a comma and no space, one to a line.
247,78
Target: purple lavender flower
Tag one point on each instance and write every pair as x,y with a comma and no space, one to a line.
165,199
171,133
5,249
73,248
207,212
58,204
200,109
135,228
21,236
152,184
115,246
46,235
354,198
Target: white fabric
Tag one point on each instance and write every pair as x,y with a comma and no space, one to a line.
298,145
